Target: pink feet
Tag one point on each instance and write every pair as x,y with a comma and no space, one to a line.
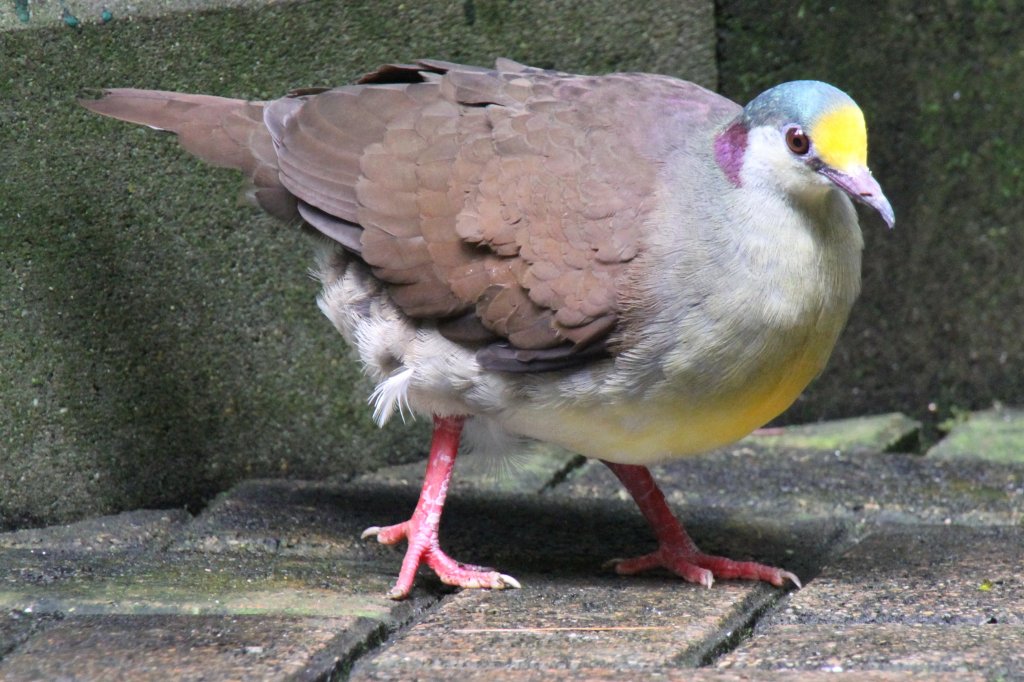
676,551
696,567
421,529
424,548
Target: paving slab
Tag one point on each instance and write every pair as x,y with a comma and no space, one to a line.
118,564
573,618
266,615
589,627
192,583
926,599
987,652
750,481
680,675
325,520
927,575
291,550
126,596
995,435
273,572
181,648
688,675
892,432
129,530
17,627
831,675
563,538
302,518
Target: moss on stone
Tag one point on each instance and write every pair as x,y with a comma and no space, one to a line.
894,432
996,435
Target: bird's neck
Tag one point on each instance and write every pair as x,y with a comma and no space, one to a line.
805,250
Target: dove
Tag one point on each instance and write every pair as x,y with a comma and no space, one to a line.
628,266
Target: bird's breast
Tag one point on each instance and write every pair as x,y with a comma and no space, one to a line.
726,352
677,423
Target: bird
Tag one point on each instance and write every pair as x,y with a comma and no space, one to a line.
629,265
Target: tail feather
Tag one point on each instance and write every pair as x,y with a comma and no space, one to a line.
224,132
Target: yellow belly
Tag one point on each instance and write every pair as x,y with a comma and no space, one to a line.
650,431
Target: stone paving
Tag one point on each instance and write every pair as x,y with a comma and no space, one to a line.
912,567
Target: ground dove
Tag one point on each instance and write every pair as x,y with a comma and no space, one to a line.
629,266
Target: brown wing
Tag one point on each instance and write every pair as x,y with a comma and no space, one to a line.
505,203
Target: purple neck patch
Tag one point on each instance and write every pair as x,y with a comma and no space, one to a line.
730,146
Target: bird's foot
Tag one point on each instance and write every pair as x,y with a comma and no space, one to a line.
700,568
422,528
424,548
676,551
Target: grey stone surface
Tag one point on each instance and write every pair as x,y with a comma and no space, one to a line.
272,578
527,536
291,517
160,342
128,530
745,481
587,627
182,648
201,584
128,596
920,575
987,652
17,627
995,435
918,598
683,675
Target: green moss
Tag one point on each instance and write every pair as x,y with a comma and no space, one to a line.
193,584
996,435
878,433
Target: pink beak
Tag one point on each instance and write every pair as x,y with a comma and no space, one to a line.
862,187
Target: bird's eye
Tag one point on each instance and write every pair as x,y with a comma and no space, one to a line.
798,141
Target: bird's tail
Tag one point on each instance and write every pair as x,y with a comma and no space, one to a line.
224,132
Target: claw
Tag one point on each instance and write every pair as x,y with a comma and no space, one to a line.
508,581
397,594
496,581
786,575
370,532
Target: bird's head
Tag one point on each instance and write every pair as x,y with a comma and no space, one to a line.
803,137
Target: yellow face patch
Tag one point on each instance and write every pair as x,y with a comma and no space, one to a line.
841,138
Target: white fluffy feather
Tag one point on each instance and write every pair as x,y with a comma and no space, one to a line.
392,395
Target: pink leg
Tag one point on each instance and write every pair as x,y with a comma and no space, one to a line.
421,529
676,551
